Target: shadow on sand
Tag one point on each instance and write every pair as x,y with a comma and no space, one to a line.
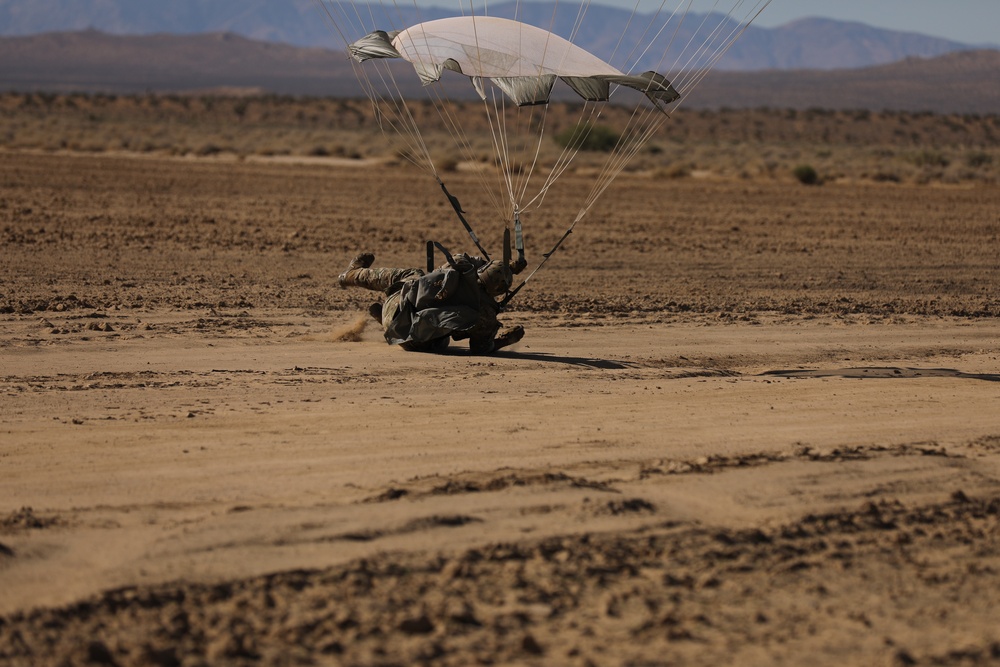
582,362
884,373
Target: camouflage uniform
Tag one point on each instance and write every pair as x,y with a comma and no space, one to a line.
384,280
422,310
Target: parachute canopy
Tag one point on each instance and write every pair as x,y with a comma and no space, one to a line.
522,60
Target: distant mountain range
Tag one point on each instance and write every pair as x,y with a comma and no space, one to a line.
806,44
91,61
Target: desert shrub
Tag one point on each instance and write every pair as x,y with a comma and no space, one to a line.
513,168
587,137
673,172
929,158
806,175
207,149
978,159
886,177
448,164
319,151
954,126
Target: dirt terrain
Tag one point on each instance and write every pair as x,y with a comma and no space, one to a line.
752,422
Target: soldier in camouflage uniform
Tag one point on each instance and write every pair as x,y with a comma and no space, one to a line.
423,311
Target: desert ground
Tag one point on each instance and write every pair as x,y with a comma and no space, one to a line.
752,422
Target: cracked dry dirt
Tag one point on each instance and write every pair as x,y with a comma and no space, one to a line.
750,423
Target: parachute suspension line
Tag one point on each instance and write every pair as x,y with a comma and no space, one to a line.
698,65
643,125
409,130
516,126
447,112
501,156
734,35
639,128
331,21
406,125
635,59
454,128
677,25
621,37
589,112
507,167
537,128
496,131
527,118
605,182
538,149
496,136
528,135
578,22
595,113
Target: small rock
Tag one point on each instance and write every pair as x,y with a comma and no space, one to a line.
530,645
417,626
99,653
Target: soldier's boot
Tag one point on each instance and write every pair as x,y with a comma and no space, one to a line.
375,310
509,337
349,278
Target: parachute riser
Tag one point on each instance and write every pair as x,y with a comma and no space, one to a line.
519,238
461,216
511,294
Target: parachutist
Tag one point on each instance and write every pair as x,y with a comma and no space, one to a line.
423,311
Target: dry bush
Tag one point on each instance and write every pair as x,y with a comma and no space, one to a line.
731,143
673,171
806,174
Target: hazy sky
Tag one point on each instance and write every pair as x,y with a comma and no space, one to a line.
971,21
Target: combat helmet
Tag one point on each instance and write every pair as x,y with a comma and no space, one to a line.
496,277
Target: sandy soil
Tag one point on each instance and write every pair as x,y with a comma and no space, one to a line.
750,423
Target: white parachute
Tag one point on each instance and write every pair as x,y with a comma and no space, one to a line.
521,60
516,56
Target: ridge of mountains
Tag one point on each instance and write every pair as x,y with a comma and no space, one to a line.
91,61
813,43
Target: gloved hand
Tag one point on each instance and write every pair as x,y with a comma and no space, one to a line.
518,265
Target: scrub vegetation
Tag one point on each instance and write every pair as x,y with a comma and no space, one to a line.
755,144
